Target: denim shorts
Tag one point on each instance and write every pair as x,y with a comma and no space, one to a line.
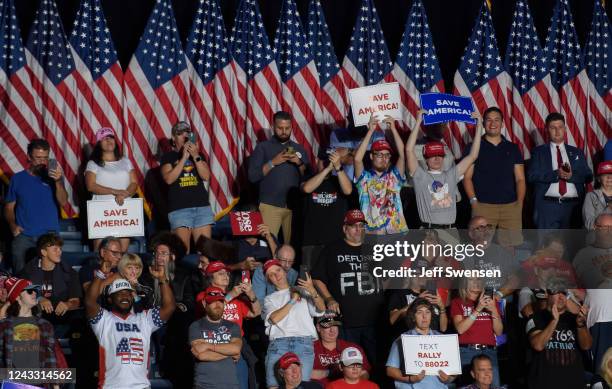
302,346
191,217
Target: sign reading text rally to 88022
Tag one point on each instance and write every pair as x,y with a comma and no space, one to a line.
431,353
107,218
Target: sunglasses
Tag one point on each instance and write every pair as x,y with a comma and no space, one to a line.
555,291
214,294
31,291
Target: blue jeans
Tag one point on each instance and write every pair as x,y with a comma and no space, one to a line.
242,369
302,346
21,244
191,217
467,354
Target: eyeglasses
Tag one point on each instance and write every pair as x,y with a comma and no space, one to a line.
552,292
483,227
382,155
603,228
115,253
355,366
288,261
162,254
31,291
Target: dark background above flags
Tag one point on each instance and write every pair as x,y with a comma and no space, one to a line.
451,21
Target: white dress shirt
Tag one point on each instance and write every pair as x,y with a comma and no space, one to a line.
553,189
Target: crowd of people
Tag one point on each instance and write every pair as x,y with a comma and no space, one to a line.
297,304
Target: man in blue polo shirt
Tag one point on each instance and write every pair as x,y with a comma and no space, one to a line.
31,208
495,184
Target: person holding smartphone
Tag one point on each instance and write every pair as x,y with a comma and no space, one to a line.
109,174
185,171
32,201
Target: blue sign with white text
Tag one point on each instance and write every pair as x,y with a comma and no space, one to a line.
443,107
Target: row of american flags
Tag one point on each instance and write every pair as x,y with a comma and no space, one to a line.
227,85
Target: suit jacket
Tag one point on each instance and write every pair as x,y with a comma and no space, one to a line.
541,174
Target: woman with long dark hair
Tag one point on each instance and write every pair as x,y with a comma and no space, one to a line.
110,175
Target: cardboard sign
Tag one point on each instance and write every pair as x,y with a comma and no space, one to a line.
380,100
245,223
107,218
442,108
431,353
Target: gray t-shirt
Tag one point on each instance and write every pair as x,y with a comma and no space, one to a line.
218,374
435,195
495,258
26,342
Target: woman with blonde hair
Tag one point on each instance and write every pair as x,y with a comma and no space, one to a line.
477,321
130,267
603,380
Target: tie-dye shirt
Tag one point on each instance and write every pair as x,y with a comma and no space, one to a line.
380,202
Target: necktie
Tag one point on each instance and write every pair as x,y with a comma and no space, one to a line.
562,183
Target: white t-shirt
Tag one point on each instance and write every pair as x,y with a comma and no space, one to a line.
298,321
600,309
124,347
114,175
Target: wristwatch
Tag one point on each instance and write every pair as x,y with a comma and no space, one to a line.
473,200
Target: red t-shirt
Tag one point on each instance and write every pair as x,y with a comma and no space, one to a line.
330,359
481,332
235,311
362,384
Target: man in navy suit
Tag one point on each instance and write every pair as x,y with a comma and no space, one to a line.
558,172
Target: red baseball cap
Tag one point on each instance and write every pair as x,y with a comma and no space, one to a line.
381,145
604,168
14,286
214,267
211,294
354,216
546,262
434,149
287,360
269,263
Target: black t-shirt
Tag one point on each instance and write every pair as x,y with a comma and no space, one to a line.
347,272
559,365
324,211
188,190
400,298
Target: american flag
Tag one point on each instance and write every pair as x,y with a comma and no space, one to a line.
566,65
51,68
296,65
597,56
259,84
212,108
98,74
18,116
333,94
156,87
416,67
531,86
367,60
130,350
481,75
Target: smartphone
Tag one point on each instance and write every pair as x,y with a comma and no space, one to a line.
192,137
566,167
52,164
489,292
430,287
303,271
329,151
290,150
246,276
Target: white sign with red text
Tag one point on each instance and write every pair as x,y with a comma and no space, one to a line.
431,353
107,218
380,100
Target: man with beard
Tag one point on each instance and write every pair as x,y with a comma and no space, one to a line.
556,337
343,276
379,187
31,208
278,165
215,344
124,336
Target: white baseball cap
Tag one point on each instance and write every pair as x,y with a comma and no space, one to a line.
350,356
119,284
